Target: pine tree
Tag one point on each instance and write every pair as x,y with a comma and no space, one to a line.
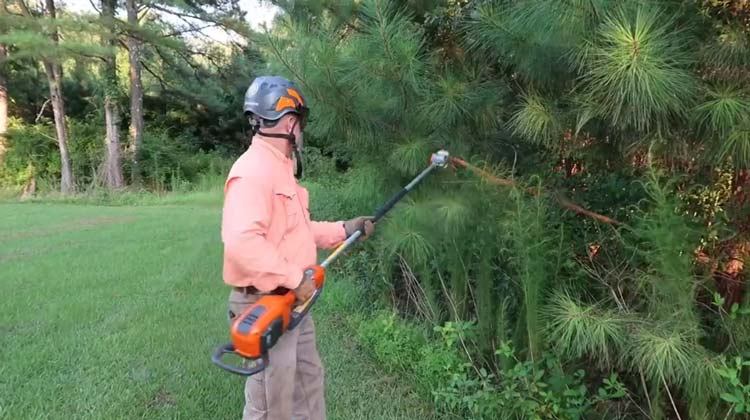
113,163
154,42
54,79
538,87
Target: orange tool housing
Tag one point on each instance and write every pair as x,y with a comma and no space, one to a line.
261,325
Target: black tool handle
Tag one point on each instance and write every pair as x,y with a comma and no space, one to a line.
399,195
389,205
229,349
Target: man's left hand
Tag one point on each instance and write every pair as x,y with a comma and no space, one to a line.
363,223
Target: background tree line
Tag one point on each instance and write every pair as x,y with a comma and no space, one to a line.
97,77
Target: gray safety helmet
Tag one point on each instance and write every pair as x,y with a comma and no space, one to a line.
271,97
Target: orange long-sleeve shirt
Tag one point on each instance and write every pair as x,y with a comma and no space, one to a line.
268,236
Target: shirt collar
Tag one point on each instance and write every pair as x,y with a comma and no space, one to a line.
276,153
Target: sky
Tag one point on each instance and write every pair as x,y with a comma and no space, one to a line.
258,12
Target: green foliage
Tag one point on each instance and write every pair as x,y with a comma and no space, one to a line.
665,353
532,35
450,97
527,390
30,40
364,187
404,235
724,116
739,393
524,390
395,344
531,254
581,330
727,53
535,120
577,96
737,146
636,69
725,108
668,241
408,157
169,163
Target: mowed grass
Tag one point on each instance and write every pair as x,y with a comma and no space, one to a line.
113,313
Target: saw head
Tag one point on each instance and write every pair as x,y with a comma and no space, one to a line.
441,158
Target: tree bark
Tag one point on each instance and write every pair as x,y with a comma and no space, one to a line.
111,112
136,92
3,96
3,102
54,76
54,79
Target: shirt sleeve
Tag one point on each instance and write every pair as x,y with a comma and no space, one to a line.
328,234
249,258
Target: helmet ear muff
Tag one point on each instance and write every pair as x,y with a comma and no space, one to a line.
254,123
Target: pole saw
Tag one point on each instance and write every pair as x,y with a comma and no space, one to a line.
261,325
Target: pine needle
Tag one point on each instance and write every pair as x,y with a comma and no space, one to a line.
581,330
636,69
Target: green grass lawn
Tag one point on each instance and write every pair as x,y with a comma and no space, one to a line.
113,312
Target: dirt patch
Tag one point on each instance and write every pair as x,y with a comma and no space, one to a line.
16,256
71,226
162,399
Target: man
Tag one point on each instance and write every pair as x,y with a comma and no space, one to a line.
269,240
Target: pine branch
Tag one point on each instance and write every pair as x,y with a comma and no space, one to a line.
671,399
162,82
41,111
93,5
175,12
556,195
283,61
184,16
220,20
172,64
189,30
184,54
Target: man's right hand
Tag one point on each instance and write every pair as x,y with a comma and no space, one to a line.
306,288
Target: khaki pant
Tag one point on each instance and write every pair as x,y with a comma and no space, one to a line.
291,387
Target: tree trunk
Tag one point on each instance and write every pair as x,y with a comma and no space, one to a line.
54,75
136,92
3,95
54,79
3,100
111,111
114,168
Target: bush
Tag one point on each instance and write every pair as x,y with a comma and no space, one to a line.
174,163
168,163
396,345
32,151
526,389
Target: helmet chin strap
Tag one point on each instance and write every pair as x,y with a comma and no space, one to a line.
293,141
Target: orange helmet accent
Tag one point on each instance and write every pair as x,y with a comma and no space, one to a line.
285,102
296,95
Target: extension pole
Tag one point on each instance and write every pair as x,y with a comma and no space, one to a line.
437,160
